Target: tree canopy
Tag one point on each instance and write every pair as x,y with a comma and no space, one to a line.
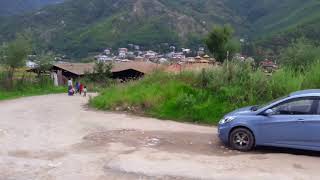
220,41
300,55
14,54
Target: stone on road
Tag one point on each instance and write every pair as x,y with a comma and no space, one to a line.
55,137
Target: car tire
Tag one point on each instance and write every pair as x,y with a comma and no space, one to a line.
241,139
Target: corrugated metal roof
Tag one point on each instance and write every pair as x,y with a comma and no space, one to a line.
76,68
82,68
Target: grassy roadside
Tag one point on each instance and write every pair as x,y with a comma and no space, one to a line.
26,85
5,95
203,97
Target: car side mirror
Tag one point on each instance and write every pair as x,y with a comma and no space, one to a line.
269,112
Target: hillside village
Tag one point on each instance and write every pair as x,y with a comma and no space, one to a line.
135,64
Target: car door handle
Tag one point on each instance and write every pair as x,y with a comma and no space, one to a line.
301,120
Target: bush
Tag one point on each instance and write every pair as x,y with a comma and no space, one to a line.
312,77
204,97
300,55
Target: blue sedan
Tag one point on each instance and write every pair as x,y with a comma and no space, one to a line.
290,122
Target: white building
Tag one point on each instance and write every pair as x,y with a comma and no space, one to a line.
103,58
186,51
31,64
107,52
150,55
122,53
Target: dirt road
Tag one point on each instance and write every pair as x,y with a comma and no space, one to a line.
56,137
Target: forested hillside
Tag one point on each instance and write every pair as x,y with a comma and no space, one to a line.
13,7
78,27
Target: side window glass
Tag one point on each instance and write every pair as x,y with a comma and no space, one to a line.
297,107
318,110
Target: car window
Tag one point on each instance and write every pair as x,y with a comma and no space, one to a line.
296,107
318,111
268,104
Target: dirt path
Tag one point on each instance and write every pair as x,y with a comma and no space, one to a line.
56,137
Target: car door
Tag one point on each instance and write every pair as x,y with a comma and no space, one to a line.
311,133
286,125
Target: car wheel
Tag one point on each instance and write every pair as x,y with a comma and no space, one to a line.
241,139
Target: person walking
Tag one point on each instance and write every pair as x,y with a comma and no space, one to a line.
70,91
70,87
85,91
70,82
78,87
81,88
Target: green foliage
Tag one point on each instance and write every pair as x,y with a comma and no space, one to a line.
9,7
220,43
15,53
92,26
44,62
27,86
101,74
204,97
312,77
300,55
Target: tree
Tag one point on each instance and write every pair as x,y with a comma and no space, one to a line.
220,42
44,62
14,54
101,73
300,55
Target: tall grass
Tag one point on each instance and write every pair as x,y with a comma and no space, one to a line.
26,85
206,96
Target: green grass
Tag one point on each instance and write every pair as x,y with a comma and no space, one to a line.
5,95
163,96
203,97
26,85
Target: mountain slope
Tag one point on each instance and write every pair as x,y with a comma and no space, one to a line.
78,27
12,7
81,26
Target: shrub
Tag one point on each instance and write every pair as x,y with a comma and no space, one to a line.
312,77
204,97
300,55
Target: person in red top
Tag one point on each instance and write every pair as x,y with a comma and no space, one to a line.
81,88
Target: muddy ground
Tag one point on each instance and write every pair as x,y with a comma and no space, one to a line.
56,137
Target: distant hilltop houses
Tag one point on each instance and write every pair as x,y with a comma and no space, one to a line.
135,54
133,62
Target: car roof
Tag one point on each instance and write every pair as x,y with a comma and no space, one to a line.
306,92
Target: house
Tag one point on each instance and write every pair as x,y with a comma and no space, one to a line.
139,58
133,70
268,65
150,55
107,52
31,64
163,60
103,58
186,51
122,53
191,64
200,51
136,47
180,67
206,56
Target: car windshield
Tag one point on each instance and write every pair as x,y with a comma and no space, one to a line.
256,108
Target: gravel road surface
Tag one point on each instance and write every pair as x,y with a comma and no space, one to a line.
56,137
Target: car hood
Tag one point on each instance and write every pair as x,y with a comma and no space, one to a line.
242,111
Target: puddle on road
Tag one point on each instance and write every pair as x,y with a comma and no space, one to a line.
176,142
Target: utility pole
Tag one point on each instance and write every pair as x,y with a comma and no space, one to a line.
227,59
